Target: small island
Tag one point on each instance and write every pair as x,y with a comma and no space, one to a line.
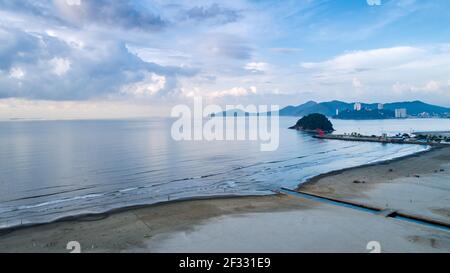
313,123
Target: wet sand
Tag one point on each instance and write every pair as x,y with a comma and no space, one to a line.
130,229
416,185
277,223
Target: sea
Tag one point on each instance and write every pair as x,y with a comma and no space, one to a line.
55,169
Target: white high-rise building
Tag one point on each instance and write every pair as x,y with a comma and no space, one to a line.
400,113
357,106
380,106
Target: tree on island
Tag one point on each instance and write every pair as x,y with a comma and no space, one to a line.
314,122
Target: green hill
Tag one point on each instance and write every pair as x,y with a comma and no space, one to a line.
314,122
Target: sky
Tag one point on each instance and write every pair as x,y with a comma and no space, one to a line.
130,58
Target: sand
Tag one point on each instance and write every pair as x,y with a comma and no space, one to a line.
277,223
129,230
322,228
417,185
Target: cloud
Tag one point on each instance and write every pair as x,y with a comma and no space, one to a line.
432,86
383,74
227,46
357,83
60,66
149,86
16,73
368,60
257,66
215,13
285,50
367,22
73,2
429,87
125,13
235,92
42,8
83,50
17,46
161,56
93,71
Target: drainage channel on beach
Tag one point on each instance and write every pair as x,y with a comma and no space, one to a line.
369,209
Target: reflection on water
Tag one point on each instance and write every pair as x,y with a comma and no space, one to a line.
51,169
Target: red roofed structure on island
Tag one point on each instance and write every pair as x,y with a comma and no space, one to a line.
320,132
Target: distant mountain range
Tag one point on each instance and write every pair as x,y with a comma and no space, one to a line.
329,108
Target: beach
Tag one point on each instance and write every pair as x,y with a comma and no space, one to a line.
416,185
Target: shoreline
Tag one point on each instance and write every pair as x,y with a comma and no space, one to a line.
175,225
104,214
316,178
87,217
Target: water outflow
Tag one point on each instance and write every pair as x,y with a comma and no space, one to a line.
369,209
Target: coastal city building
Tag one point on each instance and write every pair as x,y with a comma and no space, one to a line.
400,113
357,106
380,106
424,115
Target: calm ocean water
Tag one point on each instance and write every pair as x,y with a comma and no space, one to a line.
52,169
